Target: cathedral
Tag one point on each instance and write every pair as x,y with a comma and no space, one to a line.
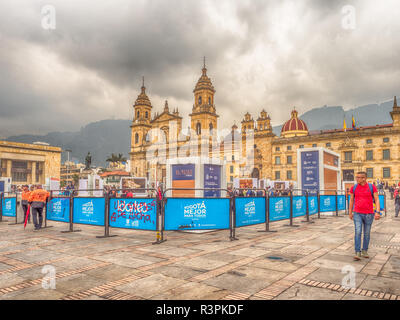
373,149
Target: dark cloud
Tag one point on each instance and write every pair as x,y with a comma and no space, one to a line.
260,54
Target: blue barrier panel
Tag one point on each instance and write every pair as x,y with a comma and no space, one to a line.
341,202
249,211
299,206
58,209
9,207
133,213
312,205
327,203
382,202
197,213
89,211
279,208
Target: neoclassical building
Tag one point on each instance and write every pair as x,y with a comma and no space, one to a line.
374,149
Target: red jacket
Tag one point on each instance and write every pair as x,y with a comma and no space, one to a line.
396,191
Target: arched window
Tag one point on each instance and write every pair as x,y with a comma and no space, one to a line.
147,114
198,128
200,100
211,128
136,138
209,100
138,114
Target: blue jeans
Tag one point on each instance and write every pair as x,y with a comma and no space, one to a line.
362,221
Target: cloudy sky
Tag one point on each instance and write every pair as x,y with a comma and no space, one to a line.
260,54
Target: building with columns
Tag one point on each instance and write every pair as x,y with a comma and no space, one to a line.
29,163
374,149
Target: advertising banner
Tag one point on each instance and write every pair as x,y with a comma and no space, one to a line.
299,206
58,209
89,211
197,214
249,211
312,205
341,202
183,176
133,213
9,207
310,171
327,203
134,183
279,208
212,179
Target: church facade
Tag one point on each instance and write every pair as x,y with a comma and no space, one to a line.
374,149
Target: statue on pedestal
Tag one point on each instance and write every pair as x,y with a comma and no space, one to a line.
88,161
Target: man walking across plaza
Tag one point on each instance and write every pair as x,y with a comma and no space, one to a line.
37,200
361,210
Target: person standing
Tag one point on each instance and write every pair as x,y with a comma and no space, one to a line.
396,196
361,210
24,201
37,200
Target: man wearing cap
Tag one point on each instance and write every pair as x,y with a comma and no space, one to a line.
37,200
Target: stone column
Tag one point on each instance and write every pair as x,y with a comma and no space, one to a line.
9,164
33,175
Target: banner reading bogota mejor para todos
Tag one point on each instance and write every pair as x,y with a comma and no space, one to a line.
9,207
195,214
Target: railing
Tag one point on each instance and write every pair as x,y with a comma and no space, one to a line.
216,209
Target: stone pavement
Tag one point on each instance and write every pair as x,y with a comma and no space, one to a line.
307,262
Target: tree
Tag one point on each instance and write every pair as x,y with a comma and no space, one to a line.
75,177
115,159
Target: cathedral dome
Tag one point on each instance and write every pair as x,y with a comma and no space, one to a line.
143,99
294,127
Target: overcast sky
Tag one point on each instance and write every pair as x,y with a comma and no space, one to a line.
260,54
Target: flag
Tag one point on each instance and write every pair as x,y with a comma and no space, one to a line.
353,124
344,125
27,215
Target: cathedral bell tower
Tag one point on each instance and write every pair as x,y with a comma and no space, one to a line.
203,116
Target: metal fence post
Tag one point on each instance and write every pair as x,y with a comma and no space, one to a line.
71,214
232,219
319,204
159,229
106,218
1,207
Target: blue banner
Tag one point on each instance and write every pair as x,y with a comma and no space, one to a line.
341,202
133,213
212,179
249,211
89,211
197,214
310,171
279,208
58,209
9,207
382,202
312,205
183,171
299,206
327,203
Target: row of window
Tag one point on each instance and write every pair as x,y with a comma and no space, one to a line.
289,175
385,172
289,160
369,155
328,144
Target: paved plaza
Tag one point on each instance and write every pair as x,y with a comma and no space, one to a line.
305,262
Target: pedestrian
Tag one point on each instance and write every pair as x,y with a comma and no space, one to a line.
361,210
24,201
37,200
396,201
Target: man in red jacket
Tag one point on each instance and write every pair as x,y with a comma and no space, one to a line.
361,210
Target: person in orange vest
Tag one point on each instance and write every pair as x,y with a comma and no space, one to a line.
24,201
37,200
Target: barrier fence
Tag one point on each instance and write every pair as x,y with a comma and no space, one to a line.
217,209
